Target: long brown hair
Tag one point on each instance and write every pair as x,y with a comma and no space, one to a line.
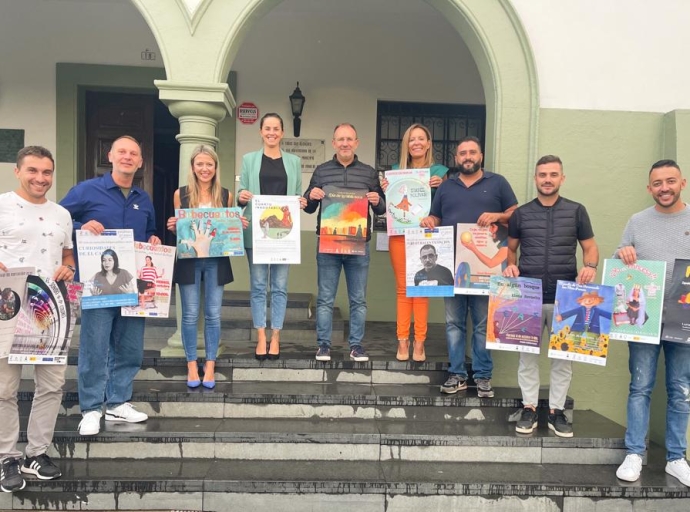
405,160
193,189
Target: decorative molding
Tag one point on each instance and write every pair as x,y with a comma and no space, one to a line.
193,11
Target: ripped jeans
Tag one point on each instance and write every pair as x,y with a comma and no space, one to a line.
643,366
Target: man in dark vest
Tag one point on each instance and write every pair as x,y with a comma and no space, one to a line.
547,230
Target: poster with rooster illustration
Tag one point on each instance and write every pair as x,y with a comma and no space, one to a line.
276,234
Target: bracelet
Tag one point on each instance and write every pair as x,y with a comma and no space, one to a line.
591,265
74,270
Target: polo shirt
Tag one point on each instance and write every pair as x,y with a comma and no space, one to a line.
455,203
100,199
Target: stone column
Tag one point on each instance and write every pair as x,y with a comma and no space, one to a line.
199,108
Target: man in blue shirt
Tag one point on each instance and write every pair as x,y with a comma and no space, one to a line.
472,195
111,347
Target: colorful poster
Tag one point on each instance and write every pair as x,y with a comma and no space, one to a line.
429,258
343,221
107,267
480,252
581,322
209,233
638,301
514,322
276,230
12,295
46,322
676,326
155,265
408,199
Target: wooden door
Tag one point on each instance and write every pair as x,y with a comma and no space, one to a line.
111,115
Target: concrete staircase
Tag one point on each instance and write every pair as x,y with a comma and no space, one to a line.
297,435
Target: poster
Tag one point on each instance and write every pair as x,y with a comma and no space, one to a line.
46,322
107,268
276,230
677,304
514,322
429,254
408,199
209,233
155,265
12,294
581,322
638,299
344,215
481,252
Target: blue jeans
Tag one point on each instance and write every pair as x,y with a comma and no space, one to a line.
259,276
206,268
356,272
643,366
111,349
456,334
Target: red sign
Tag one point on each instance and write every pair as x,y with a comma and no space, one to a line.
247,113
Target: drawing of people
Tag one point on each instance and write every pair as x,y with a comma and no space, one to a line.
587,314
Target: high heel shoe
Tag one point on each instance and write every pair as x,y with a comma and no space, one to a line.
261,337
193,383
194,369
209,384
418,352
274,357
403,350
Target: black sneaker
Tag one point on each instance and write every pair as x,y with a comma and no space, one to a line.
42,467
484,389
359,354
453,384
323,354
10,477
527,422
559,424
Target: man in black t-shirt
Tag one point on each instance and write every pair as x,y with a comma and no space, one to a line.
432,274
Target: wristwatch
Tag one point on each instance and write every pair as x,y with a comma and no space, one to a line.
591,265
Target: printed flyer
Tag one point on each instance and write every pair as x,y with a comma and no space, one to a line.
107,268
429,258
677,305
581,322
514,322
46,322
209,232
408,199
639,299
343,227
12,296
155,265
276,236
480,252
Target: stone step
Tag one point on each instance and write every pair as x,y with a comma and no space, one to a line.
598,440
328,400
390,486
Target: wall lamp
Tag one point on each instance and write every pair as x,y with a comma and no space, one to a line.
297,100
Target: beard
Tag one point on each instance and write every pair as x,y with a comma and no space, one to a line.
475,167
553,192
676,198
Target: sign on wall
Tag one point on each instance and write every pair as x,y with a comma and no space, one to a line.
311,151
247,113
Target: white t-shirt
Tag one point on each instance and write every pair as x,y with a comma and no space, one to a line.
33,235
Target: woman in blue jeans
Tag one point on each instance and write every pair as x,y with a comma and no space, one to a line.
269,171
203,190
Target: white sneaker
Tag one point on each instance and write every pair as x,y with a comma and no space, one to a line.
90,424
680,469
630,469
125,412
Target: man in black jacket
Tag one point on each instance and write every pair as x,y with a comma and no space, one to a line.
344,171
547,230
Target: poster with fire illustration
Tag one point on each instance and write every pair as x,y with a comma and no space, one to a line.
343,228
581,322
276,230
638,301
46,322
408,199
514,322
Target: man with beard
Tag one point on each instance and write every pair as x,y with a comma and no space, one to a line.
473,195
432,274
547,230
659,233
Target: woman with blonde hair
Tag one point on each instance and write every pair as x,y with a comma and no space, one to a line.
415,153
269,171
203,190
